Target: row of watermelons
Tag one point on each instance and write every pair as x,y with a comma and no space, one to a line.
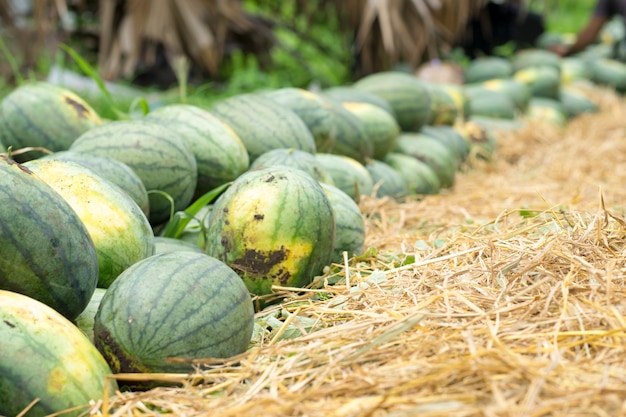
87,210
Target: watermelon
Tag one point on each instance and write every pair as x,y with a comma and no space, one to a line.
351,135
420,178
47,253
485,102
313,109
451,139
182,305
169,244
348,174
262,124
443,106
547,110
406,94
575,102
118,228
481,138
43,115
381,127
345,94
112,170
519,92
543,80
488,68
435,154
349,224
295,158
607,72
158,155
387,181
220,155
48,359
535,57
573,69
273,226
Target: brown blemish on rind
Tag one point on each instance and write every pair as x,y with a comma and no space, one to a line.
81,110
258,264
270,178
11,325
259,216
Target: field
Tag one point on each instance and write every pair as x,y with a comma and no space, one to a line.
501,297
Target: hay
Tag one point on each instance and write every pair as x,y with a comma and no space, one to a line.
504,296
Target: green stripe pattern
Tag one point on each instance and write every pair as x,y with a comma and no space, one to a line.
177,304
157,154
263,125
47,252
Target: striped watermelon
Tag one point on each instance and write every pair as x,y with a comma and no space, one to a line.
387,181
47,253
43,115
349,224
181,305
435,154
263,125
351,138
344,94
118,228
302,160
112,170
46,361
420,178
488,68
381,128
406,94
313,109
85,319
158,155
348,174
220,155
274,226
169,244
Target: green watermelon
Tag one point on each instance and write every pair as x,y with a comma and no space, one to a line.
387,181
344,94
485,102
294,158
443,106
573,69
273,226
543,80
47,253
349,224
607,72
351,135
112,170
436,155
575,102
406,94
182,305
535,57
46,361
262,124
519,92
158,155
546,110
451,139
420,178
348,174
313,109
381,127
118,228
488,68
43,115
220,155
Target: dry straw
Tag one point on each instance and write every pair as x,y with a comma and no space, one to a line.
504,296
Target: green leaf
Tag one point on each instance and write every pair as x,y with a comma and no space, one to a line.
179,220
92,73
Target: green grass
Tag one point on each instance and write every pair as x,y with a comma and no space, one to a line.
565,16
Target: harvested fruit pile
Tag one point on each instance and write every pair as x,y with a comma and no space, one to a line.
481,273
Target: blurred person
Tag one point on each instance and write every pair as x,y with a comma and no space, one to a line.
603,11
